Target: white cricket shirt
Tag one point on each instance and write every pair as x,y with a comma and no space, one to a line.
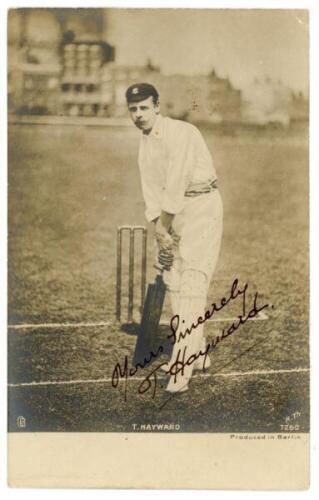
172,158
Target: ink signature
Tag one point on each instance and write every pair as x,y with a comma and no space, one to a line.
183,360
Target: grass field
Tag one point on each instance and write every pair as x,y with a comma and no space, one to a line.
69,189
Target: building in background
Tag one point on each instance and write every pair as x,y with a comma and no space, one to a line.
195,98
55,60
34,88
34,36
82,89
214,99
60,63
267,102
299,108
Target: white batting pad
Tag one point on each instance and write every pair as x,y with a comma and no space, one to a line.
192,303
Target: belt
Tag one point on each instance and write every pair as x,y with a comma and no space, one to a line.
202,189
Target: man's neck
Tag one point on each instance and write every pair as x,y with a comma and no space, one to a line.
148,131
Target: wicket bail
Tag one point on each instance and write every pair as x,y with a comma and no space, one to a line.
132,230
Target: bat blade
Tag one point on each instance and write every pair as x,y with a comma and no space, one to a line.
147,339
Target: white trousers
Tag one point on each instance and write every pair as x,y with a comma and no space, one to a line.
200,229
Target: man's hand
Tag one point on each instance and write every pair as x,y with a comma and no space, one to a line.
167,240
176,239
164,239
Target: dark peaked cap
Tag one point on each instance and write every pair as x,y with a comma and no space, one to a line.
140,91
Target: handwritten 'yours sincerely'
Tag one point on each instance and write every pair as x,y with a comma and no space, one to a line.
182,360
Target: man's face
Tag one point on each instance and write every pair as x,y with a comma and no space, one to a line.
144,113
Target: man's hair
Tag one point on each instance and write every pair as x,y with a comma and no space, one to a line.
155,99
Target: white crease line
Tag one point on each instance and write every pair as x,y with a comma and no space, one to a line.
107,380
262,316
28,326
261,372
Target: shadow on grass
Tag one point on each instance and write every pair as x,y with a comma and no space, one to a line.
161,335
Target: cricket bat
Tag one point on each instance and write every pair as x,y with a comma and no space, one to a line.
147,343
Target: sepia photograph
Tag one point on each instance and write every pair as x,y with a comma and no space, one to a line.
158,225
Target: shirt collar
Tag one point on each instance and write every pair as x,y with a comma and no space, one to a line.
157,130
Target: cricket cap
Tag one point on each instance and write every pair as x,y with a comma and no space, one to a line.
140,91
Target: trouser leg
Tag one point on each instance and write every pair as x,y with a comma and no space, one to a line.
191,305
173,281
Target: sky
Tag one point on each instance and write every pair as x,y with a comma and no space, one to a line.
239,44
